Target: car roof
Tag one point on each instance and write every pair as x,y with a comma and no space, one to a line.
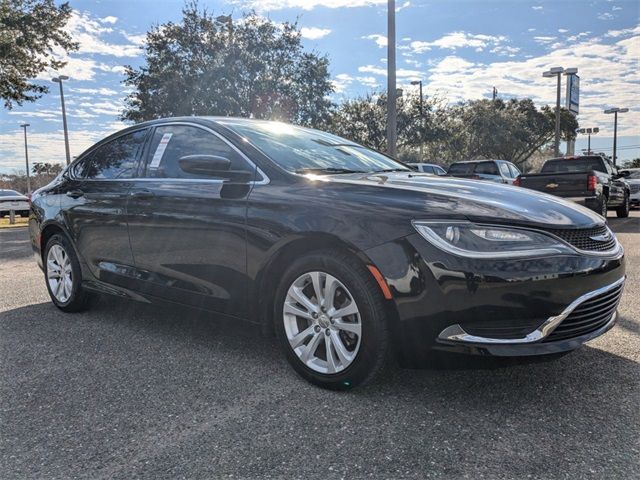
478,161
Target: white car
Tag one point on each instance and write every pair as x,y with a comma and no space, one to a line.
633,179
12,200
430,168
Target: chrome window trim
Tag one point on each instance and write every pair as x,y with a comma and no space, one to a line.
263,181
455,333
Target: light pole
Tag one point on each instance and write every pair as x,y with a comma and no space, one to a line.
419,82
615,111
557,72
391,78
26,155
589,132
59,80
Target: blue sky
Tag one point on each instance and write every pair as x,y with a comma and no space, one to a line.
460,49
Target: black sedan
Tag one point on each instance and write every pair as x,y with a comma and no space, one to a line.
348,255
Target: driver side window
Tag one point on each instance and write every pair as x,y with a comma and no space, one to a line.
172,142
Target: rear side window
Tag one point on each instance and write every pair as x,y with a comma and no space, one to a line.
504,169
461,168
486,168
574,165
514,170
439,170
114,160
427,169
172,142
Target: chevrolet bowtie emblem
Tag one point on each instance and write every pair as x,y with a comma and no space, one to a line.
552,185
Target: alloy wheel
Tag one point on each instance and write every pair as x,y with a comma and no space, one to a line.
322,322
59,273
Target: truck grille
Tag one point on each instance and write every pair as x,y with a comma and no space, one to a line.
589,316
635,188
587,238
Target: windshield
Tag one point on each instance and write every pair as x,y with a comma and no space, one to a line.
574,165
9,193
303,150
634,175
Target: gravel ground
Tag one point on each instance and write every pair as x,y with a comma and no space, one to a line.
128,390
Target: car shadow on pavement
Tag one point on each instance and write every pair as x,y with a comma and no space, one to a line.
625,225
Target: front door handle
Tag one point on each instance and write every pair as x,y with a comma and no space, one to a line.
142,194
75,193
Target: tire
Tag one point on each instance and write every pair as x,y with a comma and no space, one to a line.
70,297
623,210
357,358
603,207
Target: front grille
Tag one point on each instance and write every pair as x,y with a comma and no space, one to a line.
583,239
635,188
589,316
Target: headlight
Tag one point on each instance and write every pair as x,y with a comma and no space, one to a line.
480,241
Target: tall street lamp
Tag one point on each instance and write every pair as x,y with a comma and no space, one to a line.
26,155
589,132
391,78
419,82
59,80
557,72
615,111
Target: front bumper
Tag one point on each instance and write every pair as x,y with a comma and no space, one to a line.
490,307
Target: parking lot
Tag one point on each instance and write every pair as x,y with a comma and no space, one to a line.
128,390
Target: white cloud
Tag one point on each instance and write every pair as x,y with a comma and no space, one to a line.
544,40
109,19
372,69
341,82
538,7
403,6
616,8
95,91
265,5
314,33
605,16
531,29
562,30
456,40
381,40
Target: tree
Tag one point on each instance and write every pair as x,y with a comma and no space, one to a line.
30,32
208,65
635,163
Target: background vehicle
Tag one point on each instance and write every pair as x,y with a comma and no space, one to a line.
591,181
633,179
428,168
499,171
345,253
12,200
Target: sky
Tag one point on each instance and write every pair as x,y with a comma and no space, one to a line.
459,49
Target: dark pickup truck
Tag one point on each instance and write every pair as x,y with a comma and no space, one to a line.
591,181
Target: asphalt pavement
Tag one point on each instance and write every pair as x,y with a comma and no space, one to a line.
128,390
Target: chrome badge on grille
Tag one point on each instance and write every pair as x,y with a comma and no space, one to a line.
603,237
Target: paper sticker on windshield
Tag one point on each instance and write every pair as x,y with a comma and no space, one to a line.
162,146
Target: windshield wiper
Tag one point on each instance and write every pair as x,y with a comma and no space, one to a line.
387,170
328,170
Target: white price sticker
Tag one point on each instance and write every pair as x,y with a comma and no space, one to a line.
162,146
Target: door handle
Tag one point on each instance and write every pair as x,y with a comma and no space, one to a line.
75,193
142,194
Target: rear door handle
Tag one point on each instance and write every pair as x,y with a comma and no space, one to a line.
75,193
142,194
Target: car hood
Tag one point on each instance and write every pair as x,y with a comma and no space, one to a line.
429,196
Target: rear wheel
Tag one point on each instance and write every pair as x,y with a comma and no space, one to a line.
329,317
603,207
623,210
63,275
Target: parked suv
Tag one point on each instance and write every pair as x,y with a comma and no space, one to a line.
499,171
589,180
633,179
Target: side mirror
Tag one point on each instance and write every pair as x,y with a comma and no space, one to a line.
624,173
209,165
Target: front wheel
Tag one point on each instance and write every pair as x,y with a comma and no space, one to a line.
623,210
329,318
63,275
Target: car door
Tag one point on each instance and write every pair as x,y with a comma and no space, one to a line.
617,185
187,229
93,205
